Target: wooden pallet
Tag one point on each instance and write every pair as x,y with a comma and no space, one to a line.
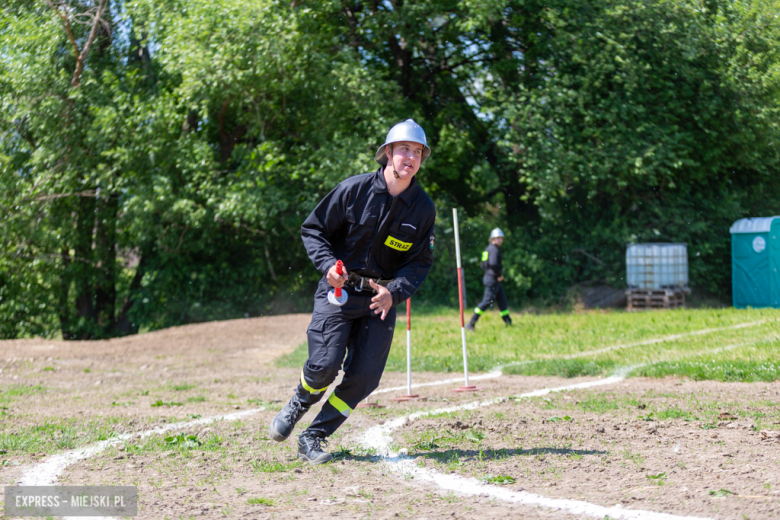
644,299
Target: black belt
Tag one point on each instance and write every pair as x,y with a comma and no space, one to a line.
360,283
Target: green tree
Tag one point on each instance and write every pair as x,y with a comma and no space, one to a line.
59,191
158,157
658,125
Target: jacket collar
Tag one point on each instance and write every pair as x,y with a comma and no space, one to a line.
380,186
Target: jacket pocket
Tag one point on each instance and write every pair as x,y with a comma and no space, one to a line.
395,244
361,228
316,325
399,238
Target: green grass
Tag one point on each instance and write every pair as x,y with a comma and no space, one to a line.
664,406
260,502
498,479
294,359
266,466
13,392
593,344
659,479
755,361
744,371
599,403
562,368
182,387
672,413
184,441
178,443
160,402
429,440
52,436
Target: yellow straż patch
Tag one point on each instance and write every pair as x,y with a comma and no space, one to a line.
397,244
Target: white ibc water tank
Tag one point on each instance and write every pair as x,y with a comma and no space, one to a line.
657,266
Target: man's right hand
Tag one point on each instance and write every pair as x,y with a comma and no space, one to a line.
335,279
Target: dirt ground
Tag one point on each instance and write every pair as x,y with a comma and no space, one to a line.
687,448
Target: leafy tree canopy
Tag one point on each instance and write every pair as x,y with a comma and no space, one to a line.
158,157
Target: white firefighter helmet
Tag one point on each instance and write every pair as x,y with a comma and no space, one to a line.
496,233
406,131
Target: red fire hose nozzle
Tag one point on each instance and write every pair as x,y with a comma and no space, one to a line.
336,296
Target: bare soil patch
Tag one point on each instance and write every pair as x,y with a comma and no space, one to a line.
692,448
646,444
58,395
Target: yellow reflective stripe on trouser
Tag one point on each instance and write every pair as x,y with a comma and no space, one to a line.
505,313
477,310
309,389
340,405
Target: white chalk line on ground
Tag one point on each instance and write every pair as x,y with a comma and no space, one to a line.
724,349
663,339
46,473
379,439
490,375
498,371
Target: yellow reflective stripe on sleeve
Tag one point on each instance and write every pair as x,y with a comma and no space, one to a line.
484,256
339,405
309,389
477,310
505,313
397,244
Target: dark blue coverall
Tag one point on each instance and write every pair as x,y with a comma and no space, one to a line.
494,291
376,235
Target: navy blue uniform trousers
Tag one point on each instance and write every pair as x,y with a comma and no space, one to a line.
494,291
351,334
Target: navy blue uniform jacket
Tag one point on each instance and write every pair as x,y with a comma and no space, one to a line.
491,261
373,233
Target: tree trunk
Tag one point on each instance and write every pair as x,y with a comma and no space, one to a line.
123,325
82,273
105,252
64,308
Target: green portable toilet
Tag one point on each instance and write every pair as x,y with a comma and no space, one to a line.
755,262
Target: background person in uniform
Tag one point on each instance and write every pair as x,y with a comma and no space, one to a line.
494,291
380,225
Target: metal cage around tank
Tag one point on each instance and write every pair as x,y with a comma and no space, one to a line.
656,275
657,266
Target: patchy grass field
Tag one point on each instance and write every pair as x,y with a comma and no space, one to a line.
694,430
680,448
719,344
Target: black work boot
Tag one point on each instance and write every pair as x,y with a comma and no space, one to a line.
309,449
507,320
284,422
472,322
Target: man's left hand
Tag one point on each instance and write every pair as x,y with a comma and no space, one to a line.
383,300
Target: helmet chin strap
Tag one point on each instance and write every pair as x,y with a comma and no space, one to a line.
395,173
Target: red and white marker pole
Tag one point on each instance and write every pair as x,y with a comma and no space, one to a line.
409,395
336,296
467,387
